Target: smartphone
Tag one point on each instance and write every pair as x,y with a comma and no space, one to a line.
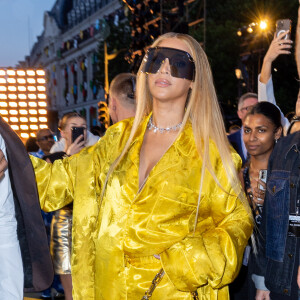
76,132
263,177
282,26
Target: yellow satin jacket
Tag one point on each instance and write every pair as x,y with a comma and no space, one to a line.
114,245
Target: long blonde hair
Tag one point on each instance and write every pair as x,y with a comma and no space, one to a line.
202,110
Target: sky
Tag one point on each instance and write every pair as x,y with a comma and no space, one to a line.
21,21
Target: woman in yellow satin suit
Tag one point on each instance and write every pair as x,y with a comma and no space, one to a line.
158,194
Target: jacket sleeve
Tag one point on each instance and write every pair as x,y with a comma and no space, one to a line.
211,256
55,182
266,93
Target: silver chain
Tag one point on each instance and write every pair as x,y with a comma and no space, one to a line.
162,130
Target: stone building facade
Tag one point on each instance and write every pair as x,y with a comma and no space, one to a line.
67,50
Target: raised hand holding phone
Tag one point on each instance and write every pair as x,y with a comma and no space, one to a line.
78,140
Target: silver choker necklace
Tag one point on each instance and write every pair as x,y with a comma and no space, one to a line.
162,130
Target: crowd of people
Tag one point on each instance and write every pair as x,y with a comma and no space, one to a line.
165,205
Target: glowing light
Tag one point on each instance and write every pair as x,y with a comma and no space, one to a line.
31,88
22,104
42,96
42,104
41,80
41,88
24,135
239,32
12,88
42,111
22,96
30,73
31,96
22,88
263,24
23,100
34,127
12,96
11,72
21,80
31,80
21,73
33,111
40,72
11,80
14,127
32,104
250,29
43,119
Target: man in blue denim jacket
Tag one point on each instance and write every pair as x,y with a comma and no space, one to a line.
278,250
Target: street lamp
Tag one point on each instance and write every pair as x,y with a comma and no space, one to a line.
263,25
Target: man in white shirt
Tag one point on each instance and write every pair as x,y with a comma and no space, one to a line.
25,261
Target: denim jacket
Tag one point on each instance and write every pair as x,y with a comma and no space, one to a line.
277,249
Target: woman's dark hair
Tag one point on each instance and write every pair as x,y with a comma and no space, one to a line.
63,121
31,145
268,110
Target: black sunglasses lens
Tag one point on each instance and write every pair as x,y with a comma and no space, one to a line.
182,66
181,63
154,61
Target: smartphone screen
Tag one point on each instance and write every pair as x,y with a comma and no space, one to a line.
263,177
282,26
76,132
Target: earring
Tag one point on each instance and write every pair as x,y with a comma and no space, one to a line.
276,140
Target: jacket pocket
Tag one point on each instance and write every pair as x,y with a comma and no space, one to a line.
278,185
172,211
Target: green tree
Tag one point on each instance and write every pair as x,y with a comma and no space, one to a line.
223,46
118,40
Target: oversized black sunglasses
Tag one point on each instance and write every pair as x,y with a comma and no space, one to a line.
181,63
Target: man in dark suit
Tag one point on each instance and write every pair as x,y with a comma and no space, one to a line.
24,254
246,102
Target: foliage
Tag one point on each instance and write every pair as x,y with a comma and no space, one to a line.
118,40
223,47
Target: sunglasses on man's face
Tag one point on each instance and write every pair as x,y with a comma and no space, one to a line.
181,63
46,138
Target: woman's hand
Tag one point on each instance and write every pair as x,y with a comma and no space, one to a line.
76,146
262,295
278,46
259,194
